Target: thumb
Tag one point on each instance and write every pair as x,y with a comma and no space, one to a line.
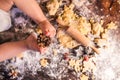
34,35
47,33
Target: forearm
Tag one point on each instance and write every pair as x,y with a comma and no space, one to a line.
31,8
11,49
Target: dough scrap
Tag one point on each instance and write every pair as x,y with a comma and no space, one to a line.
53,6
43,62
65,40
89,65
83,77
111,25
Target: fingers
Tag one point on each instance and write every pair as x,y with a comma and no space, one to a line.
47,33
34,35
42,50
32,43
50,33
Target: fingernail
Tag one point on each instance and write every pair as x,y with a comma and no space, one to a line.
47,33
86,58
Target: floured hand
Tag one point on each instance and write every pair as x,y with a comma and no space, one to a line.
47,28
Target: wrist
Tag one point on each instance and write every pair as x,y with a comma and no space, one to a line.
42,21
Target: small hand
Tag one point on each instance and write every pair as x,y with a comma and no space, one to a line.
47,28
31,43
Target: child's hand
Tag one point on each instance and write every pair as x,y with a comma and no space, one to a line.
31,43
47,28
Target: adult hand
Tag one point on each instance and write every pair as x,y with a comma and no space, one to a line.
47,28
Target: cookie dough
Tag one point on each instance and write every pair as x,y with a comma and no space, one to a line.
43,62
53,5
